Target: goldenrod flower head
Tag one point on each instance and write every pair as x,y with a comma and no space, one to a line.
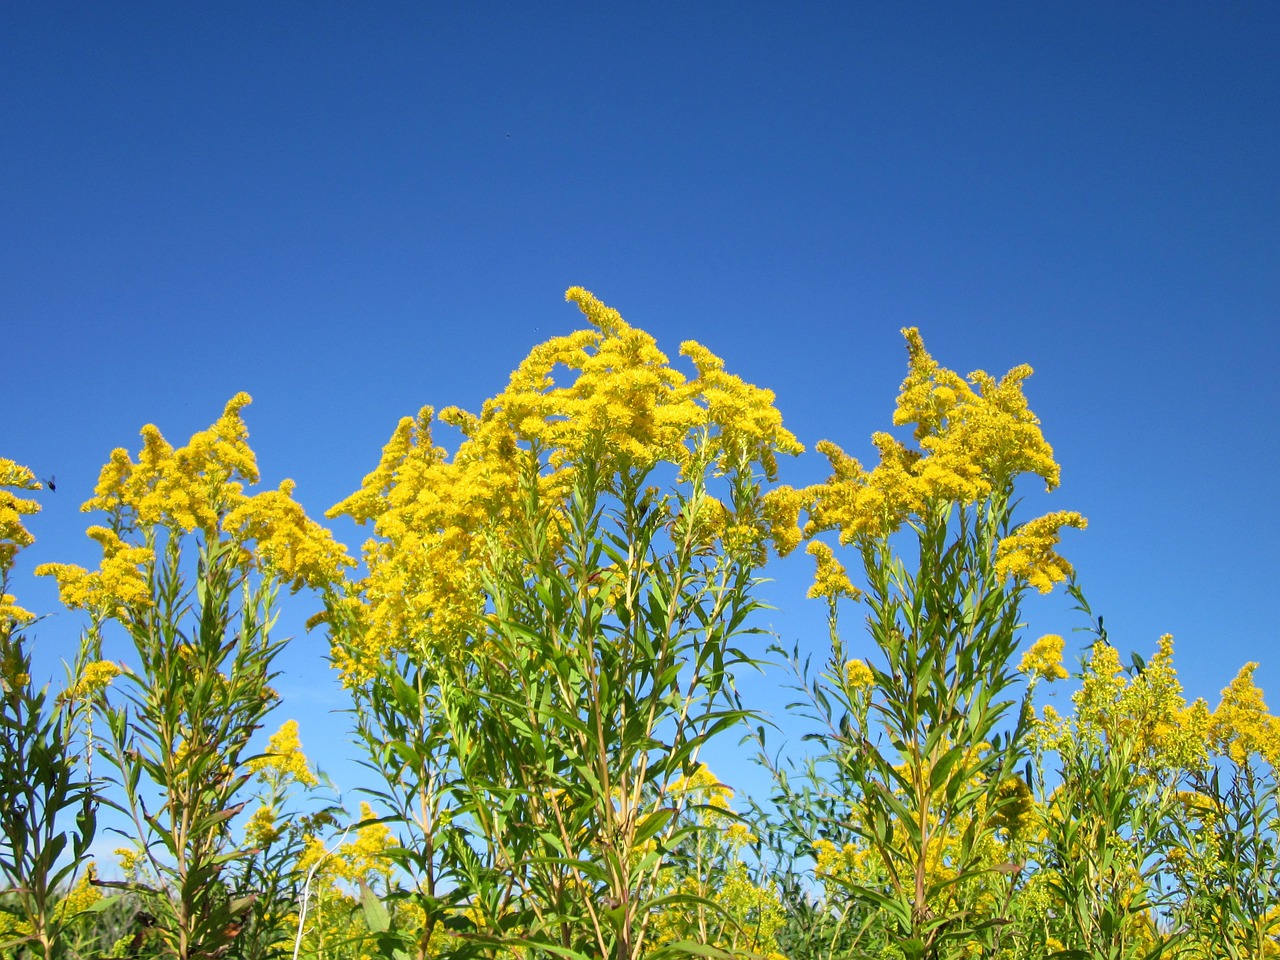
82,896
603,401
781,512
131,862
1015,806
831,580
287,543
361,859
978,420
705,786
95,678
262,830
1028,553
283,760
1242,724
188,488
14,535
1044,659
975,436
858,676
120,582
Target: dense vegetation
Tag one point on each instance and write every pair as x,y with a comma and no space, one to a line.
539,644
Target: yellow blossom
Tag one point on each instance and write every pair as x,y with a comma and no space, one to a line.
288,544
262,830
1044,659
14,535
605,398
1242,724
858,676
94,678
131,862
283,760
82,896
831,580
976,435
118,584
1028,553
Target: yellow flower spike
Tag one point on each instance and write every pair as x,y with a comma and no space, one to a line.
1044,659
604,398
858,676
283,760
830,580
1242,725
1028,553
94,678
120,582
262,830
14,535
289,545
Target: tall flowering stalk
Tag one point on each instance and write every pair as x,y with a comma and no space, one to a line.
190,572
47,803
547,630
923,739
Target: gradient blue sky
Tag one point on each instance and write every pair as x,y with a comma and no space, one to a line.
350,210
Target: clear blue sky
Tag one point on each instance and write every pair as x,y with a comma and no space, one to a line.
350,210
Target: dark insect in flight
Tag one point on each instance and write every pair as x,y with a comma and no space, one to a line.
51,483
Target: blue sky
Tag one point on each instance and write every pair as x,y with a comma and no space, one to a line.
350,210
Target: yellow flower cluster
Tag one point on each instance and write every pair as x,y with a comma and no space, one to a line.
858,676
13,533
198,487
82,896
361,859
1028,553
283,760
705,786
289,545
186,489
976,435
604,399
263,829
95,677
1044,659
118,584
1242,725
1145,715
831,580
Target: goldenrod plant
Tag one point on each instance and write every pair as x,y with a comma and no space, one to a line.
553,611
922,737
190,572
48,811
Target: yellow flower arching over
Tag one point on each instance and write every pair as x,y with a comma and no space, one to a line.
1028,553
119,583
14,535
1044,659
604,400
